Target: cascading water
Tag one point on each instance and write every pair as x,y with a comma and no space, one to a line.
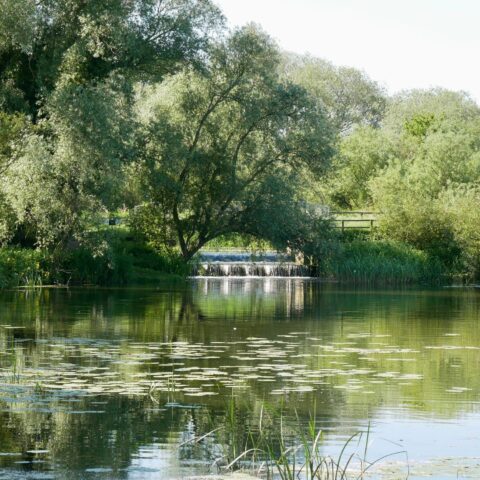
245,265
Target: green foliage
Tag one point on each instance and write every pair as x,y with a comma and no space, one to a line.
238,241
45,198
65,175
116,257
462,207
82,266
222,146
17,24
412,170
19,267
150,264
113,258
142,105
419,124
44,44
348,95
361,156
410,215
448,107
12,127
380,262
72,67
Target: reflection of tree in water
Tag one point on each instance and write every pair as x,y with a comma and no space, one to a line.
201,315
113,437
78,441
157,315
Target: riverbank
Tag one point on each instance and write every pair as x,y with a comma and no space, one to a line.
230,476
451,468
383,262
124,260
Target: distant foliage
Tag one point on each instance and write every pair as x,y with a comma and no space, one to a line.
349,96
420,170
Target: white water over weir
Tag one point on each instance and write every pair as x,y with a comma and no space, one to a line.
232,264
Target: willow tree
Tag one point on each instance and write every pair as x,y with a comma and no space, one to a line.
222,147
349,96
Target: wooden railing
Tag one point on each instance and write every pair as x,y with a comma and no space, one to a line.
360,220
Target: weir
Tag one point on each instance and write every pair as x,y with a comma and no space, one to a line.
244,264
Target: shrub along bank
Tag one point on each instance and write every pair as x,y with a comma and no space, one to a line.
130,262
123,260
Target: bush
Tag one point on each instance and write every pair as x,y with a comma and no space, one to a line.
83,266
20,267
111,257
117,258
147,260
462,205
414,216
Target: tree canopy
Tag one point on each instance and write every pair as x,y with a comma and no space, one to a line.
349,96
223,146
68,70
47,42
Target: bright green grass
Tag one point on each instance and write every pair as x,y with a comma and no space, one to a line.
382,262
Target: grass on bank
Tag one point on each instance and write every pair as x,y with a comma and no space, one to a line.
236,241
381,262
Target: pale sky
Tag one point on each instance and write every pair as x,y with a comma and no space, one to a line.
401,44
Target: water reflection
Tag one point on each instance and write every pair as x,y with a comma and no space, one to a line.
96,383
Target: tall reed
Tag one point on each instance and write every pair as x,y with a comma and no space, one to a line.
382,263
272,449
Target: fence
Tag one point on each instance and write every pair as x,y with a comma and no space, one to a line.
360,220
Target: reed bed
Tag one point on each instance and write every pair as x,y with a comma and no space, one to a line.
382,263
273,450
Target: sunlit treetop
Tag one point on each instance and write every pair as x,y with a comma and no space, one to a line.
45,42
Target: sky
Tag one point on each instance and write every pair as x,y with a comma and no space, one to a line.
401,44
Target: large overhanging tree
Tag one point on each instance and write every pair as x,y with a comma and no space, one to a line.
221,148
67,70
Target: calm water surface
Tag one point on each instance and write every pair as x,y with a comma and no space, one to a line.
111,383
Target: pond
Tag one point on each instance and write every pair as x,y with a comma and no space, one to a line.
117,383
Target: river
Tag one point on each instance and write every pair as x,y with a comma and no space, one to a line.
117,383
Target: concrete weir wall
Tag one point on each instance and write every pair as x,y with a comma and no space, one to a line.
244,264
